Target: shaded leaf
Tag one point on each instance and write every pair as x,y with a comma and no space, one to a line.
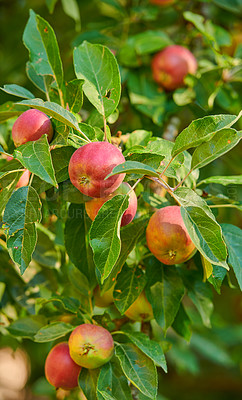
88,382
233,239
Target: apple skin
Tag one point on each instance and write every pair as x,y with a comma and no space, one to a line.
30,126
60,370
106,299
171,65
162,2
167,237
140,310
90,164
94,205
91,346
24,179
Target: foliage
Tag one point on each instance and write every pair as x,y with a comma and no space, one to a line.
52,256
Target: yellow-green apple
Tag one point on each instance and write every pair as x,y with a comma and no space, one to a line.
167,236
90,164
60,369
94,205
30,126
103,300
140,310
91,346
171,65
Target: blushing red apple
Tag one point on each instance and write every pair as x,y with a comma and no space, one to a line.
171,65
167,236
90,164
140,310
60,369
94,205
30,126
24,179
91,346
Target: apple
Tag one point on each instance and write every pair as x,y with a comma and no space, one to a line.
24,179
91,346
171,65
106,299
90,164
94,205
140,310
167,237
60,369
162,2
30,126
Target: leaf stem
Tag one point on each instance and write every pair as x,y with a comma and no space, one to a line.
180,183
105,127
31,179
222,205
169,163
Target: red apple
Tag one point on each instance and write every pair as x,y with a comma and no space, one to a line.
89,166
91,346
60,370
30,126
24,179
162,2
94,205
171,65
167,236
140,310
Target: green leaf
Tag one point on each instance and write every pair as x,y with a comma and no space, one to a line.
71,8
25,327
7,185
210,350
138,137
151,348
22,210
35,156
222,142
75,95
130,235
222,180
55,111
165,296
182,323
130,283
201,295
53,331
217,277
150,41
202,227
98,67
104,383
233,236
202,130
9,110
105,234
52,50
88,382
68,303
17,90
138,368
233,6
133,167
76,242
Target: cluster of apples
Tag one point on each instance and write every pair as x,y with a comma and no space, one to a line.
89,346
166,234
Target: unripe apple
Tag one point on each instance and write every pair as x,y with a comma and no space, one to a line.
106,299
90,164
171,65
91,346
94,205
30,126
140,310
162,2
24,179
167,236
60,369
